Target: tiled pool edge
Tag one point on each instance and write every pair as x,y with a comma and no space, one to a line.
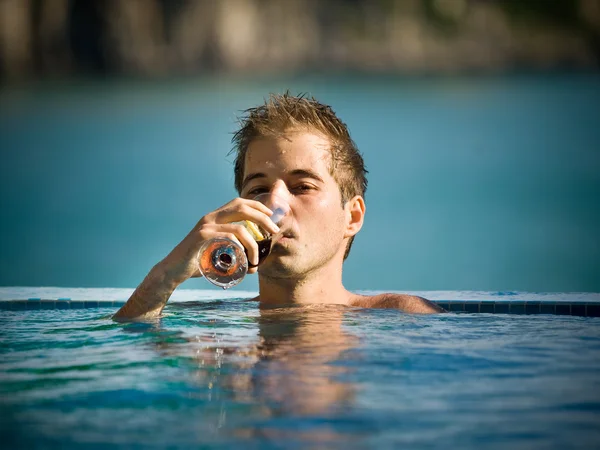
583,309
62,303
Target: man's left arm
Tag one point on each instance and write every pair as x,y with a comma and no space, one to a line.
416,304
403,302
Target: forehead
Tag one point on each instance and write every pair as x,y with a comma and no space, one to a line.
289,151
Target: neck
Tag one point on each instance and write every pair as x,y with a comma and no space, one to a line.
323,286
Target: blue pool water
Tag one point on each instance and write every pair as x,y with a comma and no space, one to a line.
219,373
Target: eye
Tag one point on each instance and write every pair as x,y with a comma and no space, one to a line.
257,190
302,188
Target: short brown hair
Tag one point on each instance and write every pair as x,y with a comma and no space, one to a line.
282,112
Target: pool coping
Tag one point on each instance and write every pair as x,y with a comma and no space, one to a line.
581,308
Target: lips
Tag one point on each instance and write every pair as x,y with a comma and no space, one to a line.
283,237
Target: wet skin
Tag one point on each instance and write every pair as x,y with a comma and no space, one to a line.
307,253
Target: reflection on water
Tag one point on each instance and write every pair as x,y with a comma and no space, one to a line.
227,375
288,370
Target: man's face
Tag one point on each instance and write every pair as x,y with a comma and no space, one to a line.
295,167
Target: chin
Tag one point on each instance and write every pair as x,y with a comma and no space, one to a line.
277,268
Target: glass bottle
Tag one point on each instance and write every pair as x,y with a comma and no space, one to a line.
224,262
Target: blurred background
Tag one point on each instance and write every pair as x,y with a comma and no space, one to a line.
478,121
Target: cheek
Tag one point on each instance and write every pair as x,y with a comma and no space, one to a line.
323,212
328,215
315,207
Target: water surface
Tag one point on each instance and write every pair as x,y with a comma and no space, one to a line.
221,373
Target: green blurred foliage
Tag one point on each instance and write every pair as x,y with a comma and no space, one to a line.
563,13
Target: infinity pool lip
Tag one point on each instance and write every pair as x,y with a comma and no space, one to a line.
182,294
474,302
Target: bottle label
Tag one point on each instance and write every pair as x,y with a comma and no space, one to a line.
253,229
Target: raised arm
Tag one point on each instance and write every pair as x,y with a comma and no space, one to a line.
151,296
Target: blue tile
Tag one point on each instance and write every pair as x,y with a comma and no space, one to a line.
20,305
548,308
457,307
486,307
47,304
77,304
563,309
578,309
33,304
592,309
444,305
63,304
533,307
472,307
517,307
91,304
501,308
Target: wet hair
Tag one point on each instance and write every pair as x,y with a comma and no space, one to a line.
284,112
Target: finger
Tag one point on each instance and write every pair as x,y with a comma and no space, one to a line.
237,203
252,270
246,211
258,205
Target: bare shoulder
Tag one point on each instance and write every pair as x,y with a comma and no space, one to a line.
404,302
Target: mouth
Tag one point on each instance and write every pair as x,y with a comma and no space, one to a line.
288,235
284,238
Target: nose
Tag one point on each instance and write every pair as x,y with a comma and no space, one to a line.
280,197
280,190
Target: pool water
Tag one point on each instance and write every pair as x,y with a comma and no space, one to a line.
222,374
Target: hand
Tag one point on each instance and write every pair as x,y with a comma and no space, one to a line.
182,262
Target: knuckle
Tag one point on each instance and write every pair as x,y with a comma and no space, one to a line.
219,214
239,229
208,218
203,233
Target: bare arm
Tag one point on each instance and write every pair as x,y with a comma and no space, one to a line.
404,302
151,296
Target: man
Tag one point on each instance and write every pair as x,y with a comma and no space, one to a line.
298,149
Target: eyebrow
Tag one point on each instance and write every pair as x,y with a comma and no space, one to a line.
252,176
306,173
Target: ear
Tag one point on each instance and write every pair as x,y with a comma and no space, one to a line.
355,215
